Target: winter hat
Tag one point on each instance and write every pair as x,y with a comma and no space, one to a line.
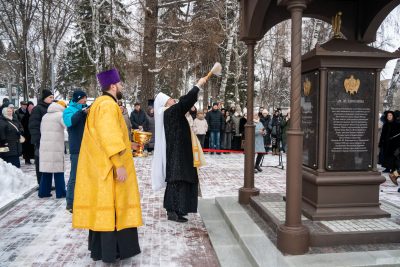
46,93
61,103
78,95
108,77
6,100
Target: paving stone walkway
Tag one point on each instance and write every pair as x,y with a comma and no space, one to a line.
38,232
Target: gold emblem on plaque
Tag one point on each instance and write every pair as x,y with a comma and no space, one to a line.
307,87
351,85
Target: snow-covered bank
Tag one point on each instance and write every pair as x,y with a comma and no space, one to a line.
14,183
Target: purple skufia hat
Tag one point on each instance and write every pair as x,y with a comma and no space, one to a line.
108,77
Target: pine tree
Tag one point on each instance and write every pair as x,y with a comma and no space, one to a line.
103,33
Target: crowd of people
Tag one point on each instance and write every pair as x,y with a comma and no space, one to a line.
217,128
105,199
222,129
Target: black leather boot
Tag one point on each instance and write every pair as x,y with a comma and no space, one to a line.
173,216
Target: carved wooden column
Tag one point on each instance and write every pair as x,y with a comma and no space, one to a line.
293,237
248,189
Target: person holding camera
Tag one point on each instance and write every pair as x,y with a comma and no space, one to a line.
74,119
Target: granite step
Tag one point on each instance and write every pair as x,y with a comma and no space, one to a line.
238,241
227,248
253,241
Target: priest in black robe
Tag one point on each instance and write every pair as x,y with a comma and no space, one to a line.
173,161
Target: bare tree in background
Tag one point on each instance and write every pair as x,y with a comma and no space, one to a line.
56,17
150,9
16,17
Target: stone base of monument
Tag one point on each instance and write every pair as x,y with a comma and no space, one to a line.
271,207
342,195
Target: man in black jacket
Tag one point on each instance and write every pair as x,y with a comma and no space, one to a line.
20,113
74,118
138,117
215,122
34,124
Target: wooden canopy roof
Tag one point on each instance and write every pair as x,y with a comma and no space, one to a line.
360,20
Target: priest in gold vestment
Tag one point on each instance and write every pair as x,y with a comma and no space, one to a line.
107,200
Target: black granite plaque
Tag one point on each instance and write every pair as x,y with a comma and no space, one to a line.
350,116
309,117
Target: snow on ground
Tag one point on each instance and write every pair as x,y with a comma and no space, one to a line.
14,183
38,232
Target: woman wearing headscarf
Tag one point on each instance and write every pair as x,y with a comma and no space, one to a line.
178,170
10,136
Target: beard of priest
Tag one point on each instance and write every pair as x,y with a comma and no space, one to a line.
107,200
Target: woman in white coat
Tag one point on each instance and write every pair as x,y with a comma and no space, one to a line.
52,150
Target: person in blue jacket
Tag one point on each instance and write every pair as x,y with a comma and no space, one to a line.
74,118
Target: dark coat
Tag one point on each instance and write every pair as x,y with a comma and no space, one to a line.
20,114
27,148
389,144
229,125
138,118
150,127
215,121
275,126
9,136
242,123
35,120
265,121
179,143
75,131
74,118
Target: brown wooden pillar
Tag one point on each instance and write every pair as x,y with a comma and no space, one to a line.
248,189
376,120
293,237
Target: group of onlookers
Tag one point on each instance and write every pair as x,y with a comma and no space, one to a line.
15,137
43,128
222,129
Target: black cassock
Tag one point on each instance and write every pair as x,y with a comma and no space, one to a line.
181,177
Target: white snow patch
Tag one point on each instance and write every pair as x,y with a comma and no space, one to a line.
13,183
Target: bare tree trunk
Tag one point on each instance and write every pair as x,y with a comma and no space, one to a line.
231,38
46,56
56,18
149,51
